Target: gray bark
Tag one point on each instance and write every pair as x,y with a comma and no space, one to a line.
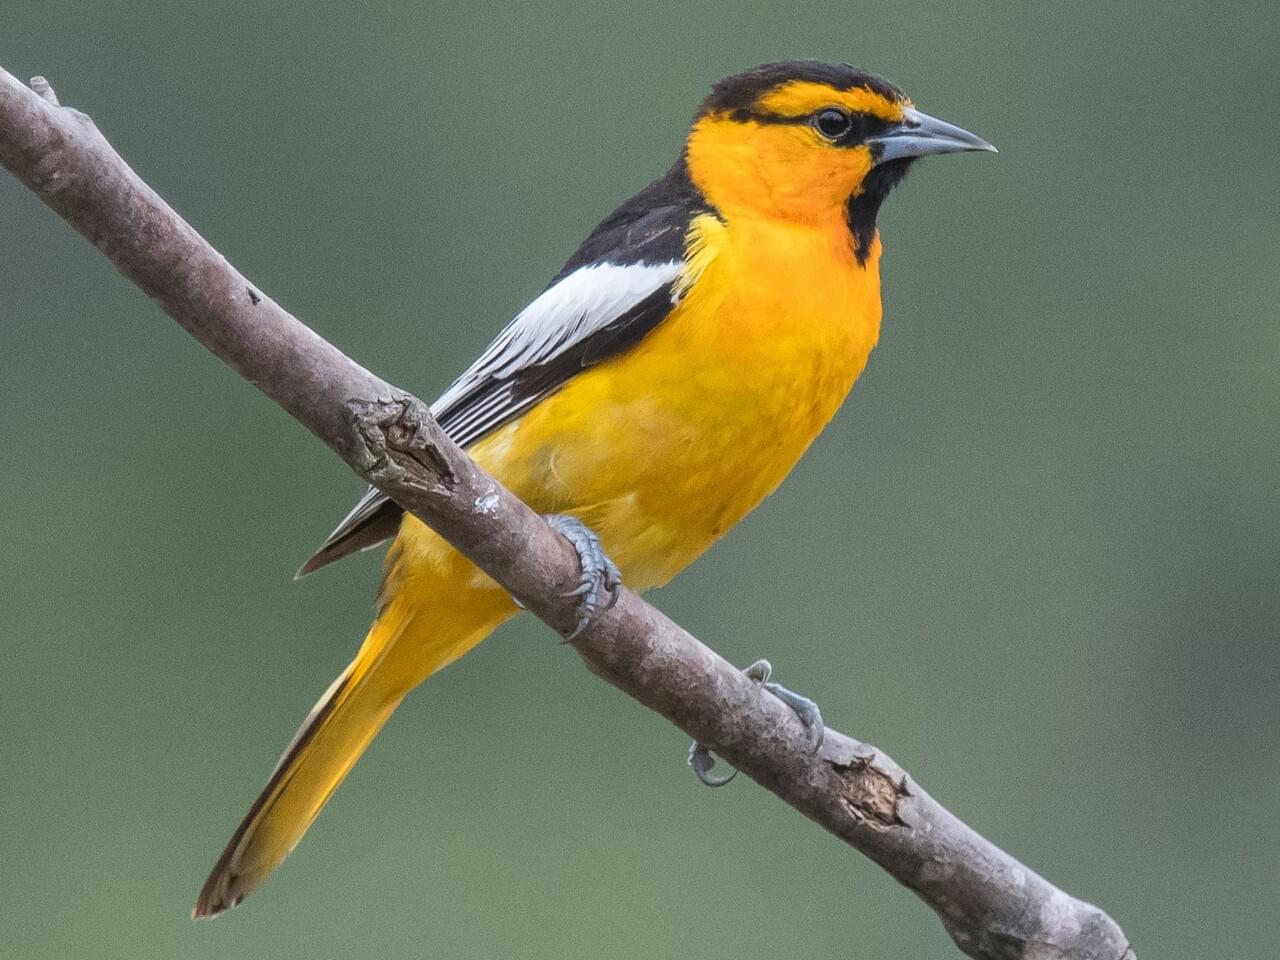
992,905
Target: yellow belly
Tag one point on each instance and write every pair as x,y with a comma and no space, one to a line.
663,449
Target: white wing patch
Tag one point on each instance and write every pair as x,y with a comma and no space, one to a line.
487,395
584,302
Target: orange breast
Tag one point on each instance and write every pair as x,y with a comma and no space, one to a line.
663,449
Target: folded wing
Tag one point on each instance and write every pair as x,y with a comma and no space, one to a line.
617,287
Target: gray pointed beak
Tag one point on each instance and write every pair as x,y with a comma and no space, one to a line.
920,135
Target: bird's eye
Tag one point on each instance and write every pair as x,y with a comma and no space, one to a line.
832,123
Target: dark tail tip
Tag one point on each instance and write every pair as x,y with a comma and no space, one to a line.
212,902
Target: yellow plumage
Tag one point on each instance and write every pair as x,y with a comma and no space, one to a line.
660,449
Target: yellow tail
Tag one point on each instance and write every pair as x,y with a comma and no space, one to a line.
401,650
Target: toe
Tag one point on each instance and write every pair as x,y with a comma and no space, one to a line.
599,577
702,760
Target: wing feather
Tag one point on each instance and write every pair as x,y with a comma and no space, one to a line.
560,325
617,287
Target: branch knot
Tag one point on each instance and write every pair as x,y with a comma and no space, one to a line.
870,794
398,444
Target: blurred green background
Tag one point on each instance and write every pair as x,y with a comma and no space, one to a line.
1035,557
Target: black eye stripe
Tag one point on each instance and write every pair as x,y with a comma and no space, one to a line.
861,125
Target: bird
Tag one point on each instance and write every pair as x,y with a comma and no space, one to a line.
659,388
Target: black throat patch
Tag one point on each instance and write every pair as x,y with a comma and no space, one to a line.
861,211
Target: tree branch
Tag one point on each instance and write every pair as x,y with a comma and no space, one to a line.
994,907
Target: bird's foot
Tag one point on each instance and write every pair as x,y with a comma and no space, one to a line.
700,756
600,582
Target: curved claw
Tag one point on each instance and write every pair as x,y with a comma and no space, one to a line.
700,757
702,760
760,671
600,583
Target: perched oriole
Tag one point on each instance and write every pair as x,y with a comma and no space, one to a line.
661,386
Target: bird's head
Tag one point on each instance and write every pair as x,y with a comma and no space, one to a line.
806,141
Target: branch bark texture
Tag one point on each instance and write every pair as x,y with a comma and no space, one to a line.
994,907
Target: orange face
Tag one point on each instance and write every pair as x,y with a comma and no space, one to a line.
796,150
